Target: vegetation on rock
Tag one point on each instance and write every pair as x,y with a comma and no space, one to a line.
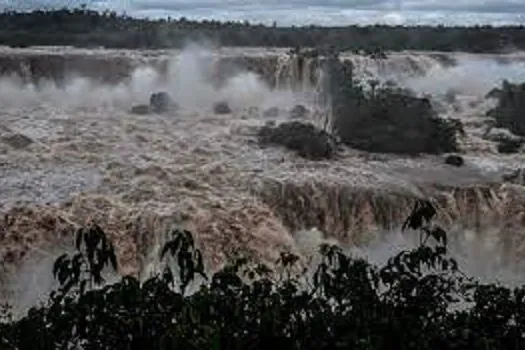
508,112
304,138
385,118
408,303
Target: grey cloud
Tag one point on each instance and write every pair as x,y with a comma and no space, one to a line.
225,4
477,6
481,6
304,12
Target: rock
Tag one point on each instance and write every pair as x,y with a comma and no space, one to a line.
454,160
17,141
161,102
304,138
222,108
516,177
140,109
510,145
272,112
299,112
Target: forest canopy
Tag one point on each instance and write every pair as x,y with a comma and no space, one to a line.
82,27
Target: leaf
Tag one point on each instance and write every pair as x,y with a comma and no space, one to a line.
79,236
168,247
58,264
423,211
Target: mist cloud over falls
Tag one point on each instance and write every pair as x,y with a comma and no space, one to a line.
188,79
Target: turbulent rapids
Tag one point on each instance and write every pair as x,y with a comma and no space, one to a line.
71,151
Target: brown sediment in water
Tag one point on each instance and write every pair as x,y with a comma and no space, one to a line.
138,176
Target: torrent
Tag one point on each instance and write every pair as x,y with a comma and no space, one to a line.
71,152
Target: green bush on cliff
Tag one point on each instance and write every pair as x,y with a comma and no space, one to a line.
347,302
385,119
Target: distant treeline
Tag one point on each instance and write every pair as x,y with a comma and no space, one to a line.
87,28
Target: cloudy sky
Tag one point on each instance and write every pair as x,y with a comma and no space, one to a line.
303,12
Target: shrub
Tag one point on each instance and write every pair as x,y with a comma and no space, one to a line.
346,303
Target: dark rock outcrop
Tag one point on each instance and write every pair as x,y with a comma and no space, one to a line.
272,112
516,176
454,160
510,145
304,138
221,108
140,109
17,141
299,112
161,102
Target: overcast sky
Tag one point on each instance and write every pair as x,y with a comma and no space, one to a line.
301,12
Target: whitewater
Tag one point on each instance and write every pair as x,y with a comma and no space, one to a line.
71,152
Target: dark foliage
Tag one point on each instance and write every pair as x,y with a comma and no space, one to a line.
385,119
454,160
86,28
347,303
509,111
304,138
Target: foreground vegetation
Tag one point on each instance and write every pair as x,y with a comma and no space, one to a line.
345,303
86,28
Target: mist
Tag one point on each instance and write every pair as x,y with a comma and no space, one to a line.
29,110
189,81
471,75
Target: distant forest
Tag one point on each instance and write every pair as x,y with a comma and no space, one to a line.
82,27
